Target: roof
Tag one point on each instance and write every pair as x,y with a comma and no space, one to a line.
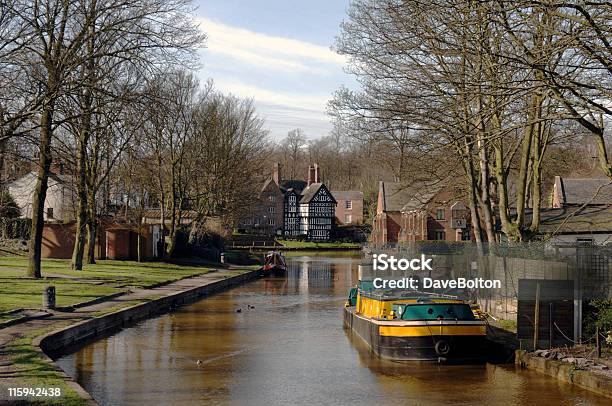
578,191
32,176
347,194
574,220
311,191
268,182
156,214
395,195
423,193
296,185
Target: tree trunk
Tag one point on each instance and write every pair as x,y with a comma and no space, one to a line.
40,192
521,187
509,228
468,167
81,224
138,248
602,154
485,196
92,228
536,179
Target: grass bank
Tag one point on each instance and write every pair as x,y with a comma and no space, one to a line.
306,245
35,371
94,281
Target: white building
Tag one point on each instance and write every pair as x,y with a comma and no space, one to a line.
59,203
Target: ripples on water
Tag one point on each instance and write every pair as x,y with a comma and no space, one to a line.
289,349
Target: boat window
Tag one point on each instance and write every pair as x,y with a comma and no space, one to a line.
438,311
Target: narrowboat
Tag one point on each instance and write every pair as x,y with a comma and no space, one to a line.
408,325
274,264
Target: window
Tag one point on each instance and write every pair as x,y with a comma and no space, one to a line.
439,214
270,221
348,218
348,204
440,235
49,212
272,198
271,210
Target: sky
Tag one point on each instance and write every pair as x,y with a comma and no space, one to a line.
277,53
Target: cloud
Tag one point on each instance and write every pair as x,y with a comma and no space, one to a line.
262,50
283,111
293,100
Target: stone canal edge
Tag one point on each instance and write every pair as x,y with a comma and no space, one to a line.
585,379
99,319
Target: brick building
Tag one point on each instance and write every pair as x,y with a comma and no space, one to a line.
392,196
435,214
419,212
350,206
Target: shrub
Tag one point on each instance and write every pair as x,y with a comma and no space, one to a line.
598,314
8,207
15,228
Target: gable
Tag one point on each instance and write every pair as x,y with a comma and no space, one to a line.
319,192
270,187
323,196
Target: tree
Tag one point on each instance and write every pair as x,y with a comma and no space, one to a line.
458,77
293,149
59,50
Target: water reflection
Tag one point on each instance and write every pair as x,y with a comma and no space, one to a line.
286,346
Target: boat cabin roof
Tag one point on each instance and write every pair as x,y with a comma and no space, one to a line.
404,294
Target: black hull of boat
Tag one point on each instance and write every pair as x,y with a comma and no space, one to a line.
463,349
276,271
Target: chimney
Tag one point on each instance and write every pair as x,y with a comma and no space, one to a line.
311,175
276,173
317,174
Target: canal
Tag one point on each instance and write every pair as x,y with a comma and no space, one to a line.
280,341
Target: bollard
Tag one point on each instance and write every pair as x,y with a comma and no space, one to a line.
49,297
222,257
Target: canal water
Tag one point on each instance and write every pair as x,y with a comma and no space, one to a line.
286,346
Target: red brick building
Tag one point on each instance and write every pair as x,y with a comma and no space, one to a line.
392,196
435,215
419,212
350,206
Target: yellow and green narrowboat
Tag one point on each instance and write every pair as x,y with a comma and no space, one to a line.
416,326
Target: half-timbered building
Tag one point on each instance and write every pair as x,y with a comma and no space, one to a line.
317,212
307,208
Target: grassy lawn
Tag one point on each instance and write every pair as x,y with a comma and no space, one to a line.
103,278
318,245
36,372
